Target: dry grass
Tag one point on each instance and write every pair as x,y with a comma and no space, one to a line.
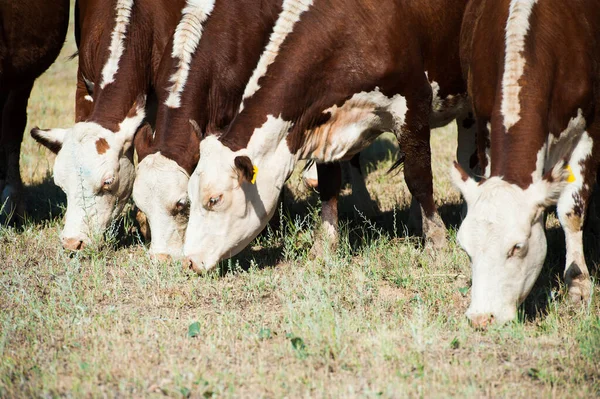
378,318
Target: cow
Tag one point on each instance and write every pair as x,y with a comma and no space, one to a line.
116,75
329,82
217,67
533,71
202,76
32,37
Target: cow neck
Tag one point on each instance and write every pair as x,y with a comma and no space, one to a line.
175,139
514,155
515,152
212,94
114,101
530,111
299,86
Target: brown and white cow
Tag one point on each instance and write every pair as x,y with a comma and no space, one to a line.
31,39
202,77
533,69
120,47
329,82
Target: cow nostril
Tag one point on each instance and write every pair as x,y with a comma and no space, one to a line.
189,263
73,244
481,321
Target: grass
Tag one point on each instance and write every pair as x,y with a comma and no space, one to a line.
378,318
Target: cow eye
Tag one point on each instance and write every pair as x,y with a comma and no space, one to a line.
213,201
107,183
182,204
517,249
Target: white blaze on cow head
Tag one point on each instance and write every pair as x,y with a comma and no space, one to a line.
234,194
160,191
503,234
94,167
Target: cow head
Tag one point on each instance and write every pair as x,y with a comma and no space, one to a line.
160,190
503,234
94,167
233,195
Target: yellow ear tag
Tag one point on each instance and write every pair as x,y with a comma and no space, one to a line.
255,172
571,177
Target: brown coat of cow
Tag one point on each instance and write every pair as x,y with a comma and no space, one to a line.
31,36
151,27
336,52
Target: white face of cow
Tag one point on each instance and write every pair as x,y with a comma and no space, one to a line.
503,234
233,195
160,191
94,168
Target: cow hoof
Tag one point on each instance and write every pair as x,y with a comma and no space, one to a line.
322,247
436,240
580,289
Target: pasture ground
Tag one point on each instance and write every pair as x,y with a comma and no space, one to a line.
379,318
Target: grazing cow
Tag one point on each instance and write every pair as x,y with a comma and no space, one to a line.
210,58
329,82
533,69
31,39
117,70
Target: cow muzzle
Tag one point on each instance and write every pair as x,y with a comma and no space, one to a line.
196,265
481,321
73,244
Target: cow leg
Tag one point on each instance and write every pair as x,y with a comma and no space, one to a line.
466,150
14,119
330,183
414,141
363,203
3,165
571,209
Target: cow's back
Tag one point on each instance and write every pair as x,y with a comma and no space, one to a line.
32,35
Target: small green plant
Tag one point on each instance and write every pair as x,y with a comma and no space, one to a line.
298,345
194,330
264,333
588,337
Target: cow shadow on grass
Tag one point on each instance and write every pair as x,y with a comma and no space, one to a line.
362,231
45,202
551,281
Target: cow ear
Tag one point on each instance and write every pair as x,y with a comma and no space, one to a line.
246,171
196,129
89,86
144,141
52,139
132,122
465,183
547,191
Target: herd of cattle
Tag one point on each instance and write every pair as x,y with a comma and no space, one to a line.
221,98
